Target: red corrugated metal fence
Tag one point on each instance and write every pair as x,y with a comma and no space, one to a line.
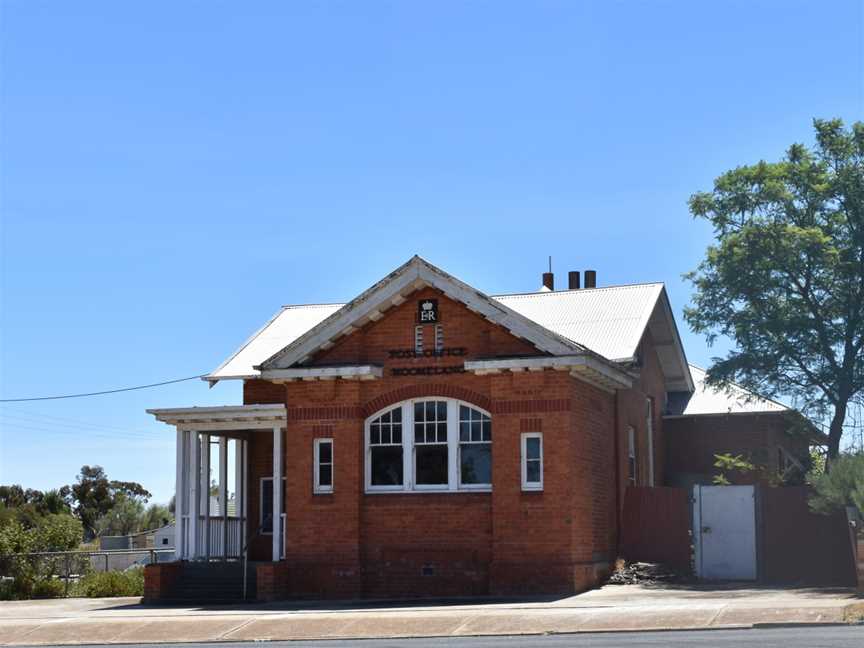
656,526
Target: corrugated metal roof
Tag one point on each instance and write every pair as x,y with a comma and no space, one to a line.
609,321
283,328
735,400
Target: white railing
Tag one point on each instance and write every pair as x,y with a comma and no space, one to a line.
282,536
183,532
223,542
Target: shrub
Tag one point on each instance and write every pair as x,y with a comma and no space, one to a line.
113,583
49,588
58,532
841,486
13,589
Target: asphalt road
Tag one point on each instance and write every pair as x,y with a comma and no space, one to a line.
804,637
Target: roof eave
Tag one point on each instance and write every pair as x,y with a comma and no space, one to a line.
393,290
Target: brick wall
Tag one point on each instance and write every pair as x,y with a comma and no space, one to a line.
349,543
692,442
160,580
631,410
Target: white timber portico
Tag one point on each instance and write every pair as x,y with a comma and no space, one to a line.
208,529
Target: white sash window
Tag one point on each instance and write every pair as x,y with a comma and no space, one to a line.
429,444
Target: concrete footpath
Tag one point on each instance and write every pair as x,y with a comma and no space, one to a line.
611,608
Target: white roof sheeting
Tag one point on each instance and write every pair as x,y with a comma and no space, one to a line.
609,321
734,400
283,328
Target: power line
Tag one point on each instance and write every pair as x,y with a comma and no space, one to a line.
44,419
90,434
100,393
13,421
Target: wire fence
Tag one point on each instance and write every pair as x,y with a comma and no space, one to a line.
70,566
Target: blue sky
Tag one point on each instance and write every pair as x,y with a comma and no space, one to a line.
172,172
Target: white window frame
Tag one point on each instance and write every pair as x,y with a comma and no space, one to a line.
407,452
453,484
261,503
317,488
459,443
414,444
526,485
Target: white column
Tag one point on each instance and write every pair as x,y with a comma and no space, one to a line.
205,491
277,494
223,492
194,494
239,490
244,489
179,489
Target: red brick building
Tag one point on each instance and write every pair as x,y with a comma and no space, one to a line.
430,440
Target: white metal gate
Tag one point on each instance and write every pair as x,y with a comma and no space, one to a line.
724,532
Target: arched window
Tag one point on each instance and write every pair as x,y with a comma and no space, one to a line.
384,438
429,444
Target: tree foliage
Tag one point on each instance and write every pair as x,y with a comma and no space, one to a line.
30,505
842,486
103,506
95,496
155,517
785,277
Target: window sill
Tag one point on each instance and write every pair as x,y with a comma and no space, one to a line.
429,491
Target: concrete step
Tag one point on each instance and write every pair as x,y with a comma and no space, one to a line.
212,582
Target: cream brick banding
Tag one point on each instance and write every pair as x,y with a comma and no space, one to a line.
583,367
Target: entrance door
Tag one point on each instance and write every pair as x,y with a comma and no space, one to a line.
724,532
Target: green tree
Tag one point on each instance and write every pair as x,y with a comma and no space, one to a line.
842,486
729,464
55,501
12,496
58,532
785,278
156,516
123,518
95,496
15,538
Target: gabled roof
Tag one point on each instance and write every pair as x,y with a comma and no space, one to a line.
281,330
712,401
612,321
609,321
391,291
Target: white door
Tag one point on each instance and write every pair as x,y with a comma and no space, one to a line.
724,532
